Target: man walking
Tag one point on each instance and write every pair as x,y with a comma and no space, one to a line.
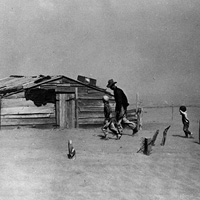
121,107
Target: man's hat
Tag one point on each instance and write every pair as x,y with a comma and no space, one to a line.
110,83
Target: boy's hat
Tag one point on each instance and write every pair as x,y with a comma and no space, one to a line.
105,98
182,108
110,83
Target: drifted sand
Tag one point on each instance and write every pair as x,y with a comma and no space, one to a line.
34,163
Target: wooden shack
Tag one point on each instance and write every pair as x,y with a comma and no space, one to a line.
53,101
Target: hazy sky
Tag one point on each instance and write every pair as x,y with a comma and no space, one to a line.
148,46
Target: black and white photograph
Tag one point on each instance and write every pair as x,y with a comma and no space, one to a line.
99,99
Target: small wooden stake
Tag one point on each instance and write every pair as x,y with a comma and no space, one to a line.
71,150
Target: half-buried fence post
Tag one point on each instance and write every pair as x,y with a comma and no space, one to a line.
147,146
164,136
154,138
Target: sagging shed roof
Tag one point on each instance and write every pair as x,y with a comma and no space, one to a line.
15,83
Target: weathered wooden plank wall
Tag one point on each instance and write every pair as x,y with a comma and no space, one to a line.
16,111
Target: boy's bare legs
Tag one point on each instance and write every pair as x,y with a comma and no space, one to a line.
115,130
105,127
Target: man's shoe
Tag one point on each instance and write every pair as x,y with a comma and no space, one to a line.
134,131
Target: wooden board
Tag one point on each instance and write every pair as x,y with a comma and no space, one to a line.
39,126
27,110
83,94
91,121
91,115
57,112
14,96
28,116
70,103
93,103
92,109
65,90
93,98
30,121
62,111
54,86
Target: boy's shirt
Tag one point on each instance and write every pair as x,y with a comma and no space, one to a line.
184,117
107,111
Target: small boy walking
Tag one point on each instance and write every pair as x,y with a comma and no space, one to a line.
108,121
186,122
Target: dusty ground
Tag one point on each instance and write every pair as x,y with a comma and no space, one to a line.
34,163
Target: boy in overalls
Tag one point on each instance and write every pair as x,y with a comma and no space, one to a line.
185,120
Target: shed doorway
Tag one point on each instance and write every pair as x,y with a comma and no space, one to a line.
66,109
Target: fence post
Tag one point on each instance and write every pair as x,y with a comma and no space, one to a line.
154,138
137,99
164,136
199,131
76,108
0,110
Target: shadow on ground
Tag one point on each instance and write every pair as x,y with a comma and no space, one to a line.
181,136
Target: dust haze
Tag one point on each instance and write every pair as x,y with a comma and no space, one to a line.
148,47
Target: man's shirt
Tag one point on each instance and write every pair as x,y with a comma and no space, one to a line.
120,99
